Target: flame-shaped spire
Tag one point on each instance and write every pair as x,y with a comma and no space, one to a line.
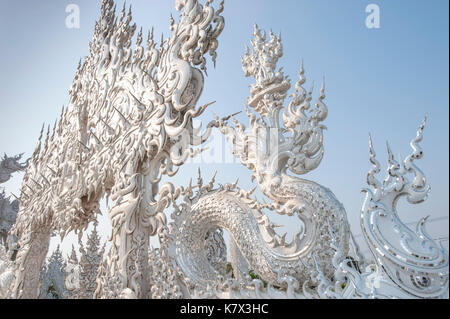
37,149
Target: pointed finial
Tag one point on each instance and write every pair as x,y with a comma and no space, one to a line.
371,179
47,137
371,149
390,154
424,123
312,88
322,88
123,12
42,130
54,129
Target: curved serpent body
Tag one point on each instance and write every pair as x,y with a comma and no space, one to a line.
252,233
269,150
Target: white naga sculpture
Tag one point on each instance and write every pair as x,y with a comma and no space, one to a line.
317,263
270,149
129,121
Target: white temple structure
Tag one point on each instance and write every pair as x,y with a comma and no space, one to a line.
129,122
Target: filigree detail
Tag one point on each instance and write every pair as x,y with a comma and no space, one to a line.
411,259
268,149
129,122
122,130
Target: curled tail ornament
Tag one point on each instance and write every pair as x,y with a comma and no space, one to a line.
412,260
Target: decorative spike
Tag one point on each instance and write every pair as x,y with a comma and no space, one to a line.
87,148
107,125
121,115
230,116
22,193
32,190
422,126
391,157
34,181
42,131
123,11
96,138
47,138
322,89
53,172
37,150
311,90
45,179
372,151
139,38
371,179
199,179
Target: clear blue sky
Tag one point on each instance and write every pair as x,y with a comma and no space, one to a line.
381,81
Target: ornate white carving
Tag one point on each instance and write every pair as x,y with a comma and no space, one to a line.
53,277
82,278
129,121
8,215
269,150
72,281
120,132
8,208
7,270
412,260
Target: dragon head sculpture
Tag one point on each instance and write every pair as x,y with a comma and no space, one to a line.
10,165
271,148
